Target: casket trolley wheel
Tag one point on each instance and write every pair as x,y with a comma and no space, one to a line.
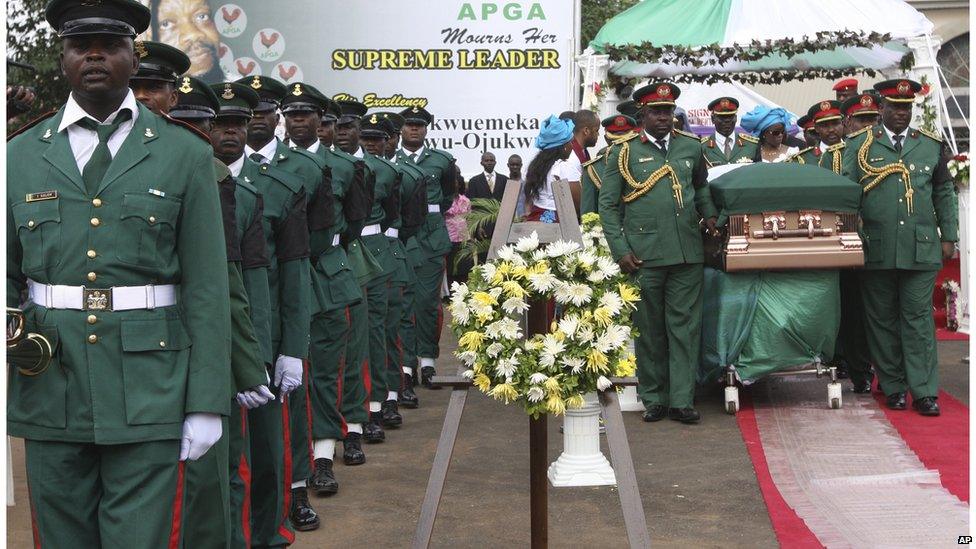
731,393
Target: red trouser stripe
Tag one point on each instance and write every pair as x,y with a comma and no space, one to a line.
244,470
174,533
286,431
308,408
34,528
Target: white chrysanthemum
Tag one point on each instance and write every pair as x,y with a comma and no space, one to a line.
458,290
612,302
528,243
479,308
602,383
468,357
551,348
575,364
613,338
460,313
608,265
536,394
494,349
586,258
561,248
505,328
488,271
506,367
539,254
596,276
514,305
585,334
495,292
577,294
468,374
538,378
568,325
506,253
542,282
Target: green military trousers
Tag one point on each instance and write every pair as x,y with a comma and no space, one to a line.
122,495
427,308
270,475
240,478
408,318
207,503
378,301
300,427
852,342
901,331
354,404
330,337
402,276
668,317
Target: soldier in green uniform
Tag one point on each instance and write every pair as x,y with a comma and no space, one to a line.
653,197
432,238
829,152
304,108
615,128
284,220
910,225
111,236
383,397
860,111
725,146
393,142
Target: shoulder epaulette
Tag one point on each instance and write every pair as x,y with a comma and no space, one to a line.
704,138
594,160
445,154
285,178
796,157
686,134
302,152
31,124
187,126
626,137
247,186
836,147
931,135
749,138
220,170
859,132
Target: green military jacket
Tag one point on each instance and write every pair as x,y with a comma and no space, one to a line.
385,212
255,260
744,149
285,224
642,213
413,213
433,238
591,182
896,237
119,377
831,159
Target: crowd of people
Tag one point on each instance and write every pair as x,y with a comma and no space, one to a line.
227,307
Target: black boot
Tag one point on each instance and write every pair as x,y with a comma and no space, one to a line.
352,449
427,374
302,516
408,397
323,480
373,431
391,417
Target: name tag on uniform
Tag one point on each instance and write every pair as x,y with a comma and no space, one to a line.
43,195
156,192
648,159
879,159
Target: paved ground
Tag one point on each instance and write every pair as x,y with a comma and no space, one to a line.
697,483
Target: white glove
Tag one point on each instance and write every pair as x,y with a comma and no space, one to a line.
288,375
255,397
200,432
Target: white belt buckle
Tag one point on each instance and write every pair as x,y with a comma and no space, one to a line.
96,299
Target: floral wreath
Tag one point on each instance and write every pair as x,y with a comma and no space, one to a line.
585,345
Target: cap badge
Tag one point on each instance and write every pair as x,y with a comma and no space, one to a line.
619,121
373,119
725,103
149,132
903,87
140,49
824,106
228,92
297,90
187,87
866,101
663,91
256,83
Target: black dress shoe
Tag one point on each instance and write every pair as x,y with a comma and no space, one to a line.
408,398
927,406
391,417
323,480
427,374
655,412
352,449
842,371
895,401
373,430
684,415
862,387
302,516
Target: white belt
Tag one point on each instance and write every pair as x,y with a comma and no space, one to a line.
433,208
370,230
392,233
119,298
335,240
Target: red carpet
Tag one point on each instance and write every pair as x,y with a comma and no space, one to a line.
790,529
941,443
941,334
949,271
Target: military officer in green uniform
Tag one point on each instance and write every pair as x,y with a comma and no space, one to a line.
432,238
653,197
284,221
860,111
304,107
909,226
393,142
725,146
111,237
829,152
615,128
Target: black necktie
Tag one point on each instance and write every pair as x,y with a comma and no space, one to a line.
257,157
898,139
101,157
663,145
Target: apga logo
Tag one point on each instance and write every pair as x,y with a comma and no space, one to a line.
226,57
245,66
287,72
230,20
268,45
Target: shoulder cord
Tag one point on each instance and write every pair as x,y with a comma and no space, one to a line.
594,177
642,188
879,173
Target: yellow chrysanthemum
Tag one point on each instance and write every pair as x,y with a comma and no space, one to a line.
513,289
596,361
591,217
504,391
558,334
482,382
552,386
471,340
628,293
555,405
539,267
520,272
626,366
575,401
603,316
484,299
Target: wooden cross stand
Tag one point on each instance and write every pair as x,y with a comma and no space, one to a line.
538,320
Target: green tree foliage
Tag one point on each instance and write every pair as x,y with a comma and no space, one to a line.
597,12
31,40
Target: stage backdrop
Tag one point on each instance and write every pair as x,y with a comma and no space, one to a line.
489,72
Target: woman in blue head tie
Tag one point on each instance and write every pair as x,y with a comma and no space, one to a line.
769,125
555,145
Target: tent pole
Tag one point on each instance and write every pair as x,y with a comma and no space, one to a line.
941,97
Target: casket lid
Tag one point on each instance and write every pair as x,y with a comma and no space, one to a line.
755,188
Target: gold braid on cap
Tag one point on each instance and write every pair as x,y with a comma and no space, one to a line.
642,188
879,173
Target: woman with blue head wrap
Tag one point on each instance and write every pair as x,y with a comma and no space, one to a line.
769,125
555,145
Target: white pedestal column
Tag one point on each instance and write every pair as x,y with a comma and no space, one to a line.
582,463
964,259
628,397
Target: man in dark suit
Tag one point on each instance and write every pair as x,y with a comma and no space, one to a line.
488,184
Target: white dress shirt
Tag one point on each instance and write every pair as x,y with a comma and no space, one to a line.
653,140
721,139
84,141
358,153
824,147
891,135
236,166
417,152
267,152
